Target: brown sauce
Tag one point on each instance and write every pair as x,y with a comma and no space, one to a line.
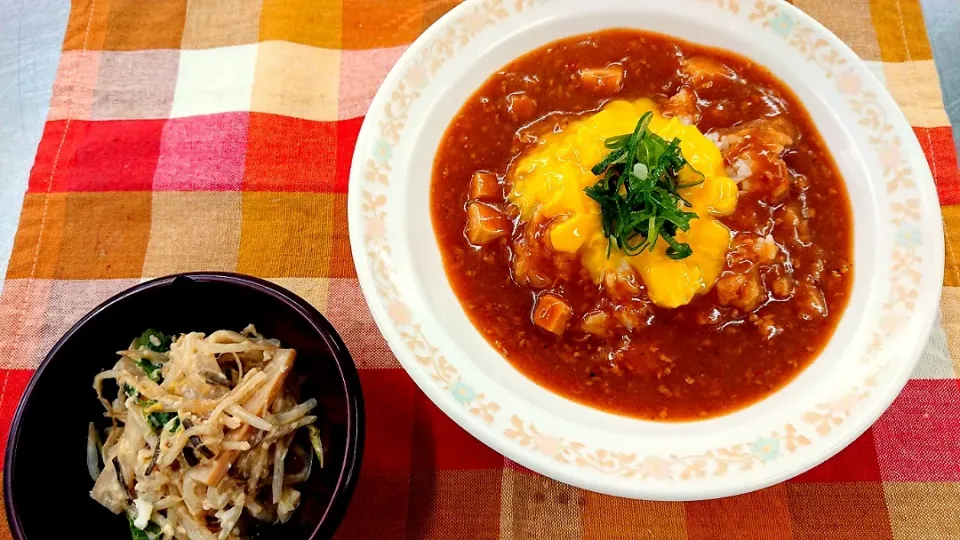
761,324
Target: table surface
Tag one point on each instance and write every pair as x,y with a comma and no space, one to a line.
31,36
943,28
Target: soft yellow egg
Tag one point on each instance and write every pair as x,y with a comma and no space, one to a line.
549,179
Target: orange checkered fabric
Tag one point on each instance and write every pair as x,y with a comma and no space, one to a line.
217,135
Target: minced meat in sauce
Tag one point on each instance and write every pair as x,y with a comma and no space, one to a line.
774,306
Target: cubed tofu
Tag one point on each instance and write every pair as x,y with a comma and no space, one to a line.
522,107
703,71
684,105
596,323
485,224
811,303
552,313
604,81
485,186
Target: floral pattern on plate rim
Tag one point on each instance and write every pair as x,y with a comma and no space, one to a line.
905,273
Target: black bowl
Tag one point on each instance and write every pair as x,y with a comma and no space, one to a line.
46,483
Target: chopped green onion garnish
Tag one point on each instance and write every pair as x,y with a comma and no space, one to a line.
637,192
154,340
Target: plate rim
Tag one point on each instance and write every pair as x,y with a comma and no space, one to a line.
496,440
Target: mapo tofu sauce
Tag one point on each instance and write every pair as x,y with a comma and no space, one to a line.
647,336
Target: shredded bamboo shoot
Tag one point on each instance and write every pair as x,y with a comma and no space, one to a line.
188,410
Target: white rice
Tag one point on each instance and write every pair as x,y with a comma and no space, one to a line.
724,142
740,170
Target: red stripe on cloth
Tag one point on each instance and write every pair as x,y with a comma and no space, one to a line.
292,154
855,463
916,438
378,509
106,155
937,143
13,383
388,396
347,132
443,445
48,155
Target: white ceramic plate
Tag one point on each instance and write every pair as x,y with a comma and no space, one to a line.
898,255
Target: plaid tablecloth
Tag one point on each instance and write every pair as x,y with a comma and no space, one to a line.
217,135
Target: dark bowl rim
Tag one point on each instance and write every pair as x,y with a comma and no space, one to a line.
350,471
